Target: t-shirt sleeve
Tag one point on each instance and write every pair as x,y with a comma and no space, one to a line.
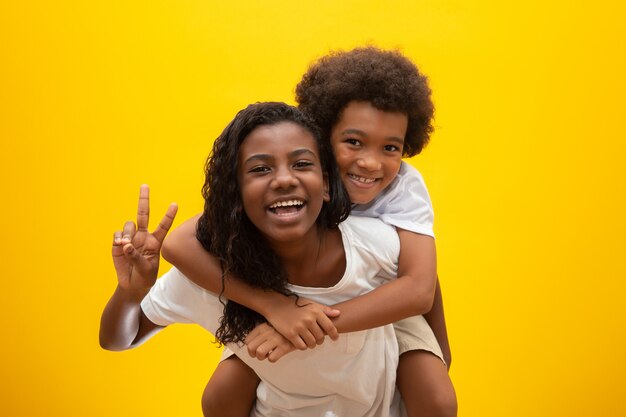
404,204
410,207
175,299
374,243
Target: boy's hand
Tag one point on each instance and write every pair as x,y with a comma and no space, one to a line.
304,323
135,251
264,342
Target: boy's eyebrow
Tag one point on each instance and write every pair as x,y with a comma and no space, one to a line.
398,140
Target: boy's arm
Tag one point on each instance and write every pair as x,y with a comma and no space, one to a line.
410,295
304,324
416,291
135,255
437,322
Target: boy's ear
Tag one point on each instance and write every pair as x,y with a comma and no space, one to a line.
326,193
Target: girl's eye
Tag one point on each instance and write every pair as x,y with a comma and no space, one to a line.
391,148
303,164
259,169
353,141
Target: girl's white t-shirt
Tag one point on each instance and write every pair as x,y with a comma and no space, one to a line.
351,377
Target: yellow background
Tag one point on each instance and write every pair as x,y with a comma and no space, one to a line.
526,171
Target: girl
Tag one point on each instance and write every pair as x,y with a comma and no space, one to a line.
272,199
375,107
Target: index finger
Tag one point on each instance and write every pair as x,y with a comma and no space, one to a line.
143,208
166,222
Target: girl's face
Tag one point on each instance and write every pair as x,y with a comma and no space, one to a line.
281,180
368,147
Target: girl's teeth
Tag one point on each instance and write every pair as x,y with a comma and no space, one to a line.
286,203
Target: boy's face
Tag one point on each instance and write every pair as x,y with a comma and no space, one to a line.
368,146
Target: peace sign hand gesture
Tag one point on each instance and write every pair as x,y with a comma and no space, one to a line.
136,252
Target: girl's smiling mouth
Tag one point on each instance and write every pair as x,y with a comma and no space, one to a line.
286,207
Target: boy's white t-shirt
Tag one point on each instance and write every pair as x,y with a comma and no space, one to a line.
405,203
351,377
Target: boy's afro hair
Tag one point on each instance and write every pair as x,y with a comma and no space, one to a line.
386,79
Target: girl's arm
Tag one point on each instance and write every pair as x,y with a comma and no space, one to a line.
123,324
304,324
136,255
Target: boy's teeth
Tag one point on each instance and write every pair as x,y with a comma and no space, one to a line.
364,180
287,203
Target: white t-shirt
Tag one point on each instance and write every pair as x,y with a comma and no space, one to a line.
405,203
351,377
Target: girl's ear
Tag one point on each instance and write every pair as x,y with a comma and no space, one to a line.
326,193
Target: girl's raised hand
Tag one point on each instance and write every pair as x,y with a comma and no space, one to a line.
136,252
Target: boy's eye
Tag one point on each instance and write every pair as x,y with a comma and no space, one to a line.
391,148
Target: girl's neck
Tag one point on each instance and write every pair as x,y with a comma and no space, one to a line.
317,260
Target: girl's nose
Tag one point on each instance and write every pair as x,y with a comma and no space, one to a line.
283,181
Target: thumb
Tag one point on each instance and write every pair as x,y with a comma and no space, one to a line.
133,256
331,312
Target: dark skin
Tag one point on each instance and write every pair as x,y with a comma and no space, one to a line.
135,254
367,144
222,392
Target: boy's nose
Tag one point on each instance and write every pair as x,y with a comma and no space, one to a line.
369,162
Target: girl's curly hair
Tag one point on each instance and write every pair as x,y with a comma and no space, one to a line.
386,79
225,230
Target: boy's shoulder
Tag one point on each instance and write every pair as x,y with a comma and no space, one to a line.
407,183
407,174
405,203
370,234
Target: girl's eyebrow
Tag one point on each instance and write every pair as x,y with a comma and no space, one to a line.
259,157
398,140
303,151
269,157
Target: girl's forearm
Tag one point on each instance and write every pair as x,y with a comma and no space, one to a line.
122,325
302,326
183,250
